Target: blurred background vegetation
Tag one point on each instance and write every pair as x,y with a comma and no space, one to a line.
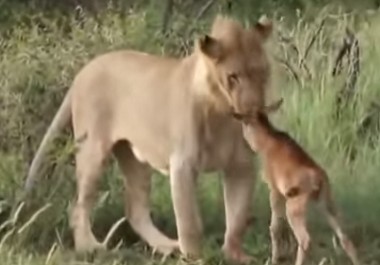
334,115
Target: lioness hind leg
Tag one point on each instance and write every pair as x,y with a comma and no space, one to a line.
90,163
137,182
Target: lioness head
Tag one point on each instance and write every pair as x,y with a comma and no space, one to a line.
236,63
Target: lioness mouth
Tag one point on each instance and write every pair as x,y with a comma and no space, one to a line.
266,109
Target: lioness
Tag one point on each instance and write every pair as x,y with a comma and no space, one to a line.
173,115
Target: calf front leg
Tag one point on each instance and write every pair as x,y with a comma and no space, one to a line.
238,191
277,204
183,188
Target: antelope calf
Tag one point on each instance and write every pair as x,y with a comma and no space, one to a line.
294,180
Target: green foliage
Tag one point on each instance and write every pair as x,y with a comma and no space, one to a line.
41,49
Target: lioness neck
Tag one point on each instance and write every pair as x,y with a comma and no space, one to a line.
206,89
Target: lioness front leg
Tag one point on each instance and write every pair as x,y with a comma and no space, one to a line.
238,191
183,188
137,184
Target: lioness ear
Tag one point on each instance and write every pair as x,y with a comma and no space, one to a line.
264,27
274,106
210,47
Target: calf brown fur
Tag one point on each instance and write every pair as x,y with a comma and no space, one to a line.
294,179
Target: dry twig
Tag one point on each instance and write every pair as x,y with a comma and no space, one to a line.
350,49
200,14
167,15
354,63
289,67
288,41
302,62
343,51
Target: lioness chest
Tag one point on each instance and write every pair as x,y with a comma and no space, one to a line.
221,144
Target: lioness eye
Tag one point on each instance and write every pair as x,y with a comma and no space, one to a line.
232,78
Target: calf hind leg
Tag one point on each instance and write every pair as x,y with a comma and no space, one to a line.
137,183
296,213
331,214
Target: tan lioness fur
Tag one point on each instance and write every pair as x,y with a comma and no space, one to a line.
172,115
295,180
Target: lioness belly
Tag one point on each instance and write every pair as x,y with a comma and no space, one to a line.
159,164
209,161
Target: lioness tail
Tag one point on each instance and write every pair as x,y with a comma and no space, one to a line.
61,118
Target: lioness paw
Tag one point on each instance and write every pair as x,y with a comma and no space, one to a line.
237,255
166,249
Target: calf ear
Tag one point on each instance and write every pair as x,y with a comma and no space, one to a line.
274,106
210,47
264,27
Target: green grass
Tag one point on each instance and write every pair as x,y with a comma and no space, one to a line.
37,66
